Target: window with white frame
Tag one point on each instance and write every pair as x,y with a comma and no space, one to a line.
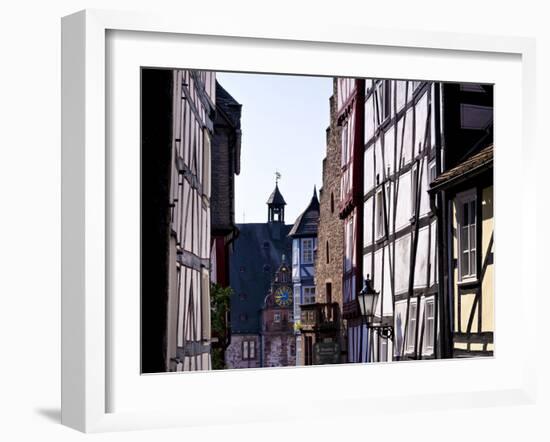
411,328
276,317
307,251
466,206
249,349
429,326
380,214
309,295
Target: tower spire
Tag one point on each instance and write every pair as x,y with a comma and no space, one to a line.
276,203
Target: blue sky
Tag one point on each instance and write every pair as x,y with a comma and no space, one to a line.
284,121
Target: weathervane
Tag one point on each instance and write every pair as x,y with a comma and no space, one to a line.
277,177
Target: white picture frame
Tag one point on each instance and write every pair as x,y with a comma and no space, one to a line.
87,317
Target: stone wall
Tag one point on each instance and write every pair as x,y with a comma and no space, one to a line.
330,237
279,350
234,354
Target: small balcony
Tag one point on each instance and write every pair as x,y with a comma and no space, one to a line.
320,317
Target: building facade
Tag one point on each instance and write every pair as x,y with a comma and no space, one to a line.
400,226
226,156
304,249
413,132
255,257
226,164
178,109
278,344
350,115
322,322
463,195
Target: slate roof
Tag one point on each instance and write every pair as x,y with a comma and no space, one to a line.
307,223
255,258
478,162
228,106
276,198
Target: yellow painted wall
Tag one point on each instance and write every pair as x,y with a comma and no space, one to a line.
466,303
487,287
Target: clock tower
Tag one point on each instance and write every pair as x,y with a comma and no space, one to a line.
278,341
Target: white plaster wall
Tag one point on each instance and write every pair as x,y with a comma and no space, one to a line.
404,139
379,169
399,325
389,146
420,271
421,113
367,263
369,119
376,278
368,233
369,170
402,258
403,201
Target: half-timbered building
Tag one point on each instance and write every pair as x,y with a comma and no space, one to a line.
304,246
399,249
178,108
463,195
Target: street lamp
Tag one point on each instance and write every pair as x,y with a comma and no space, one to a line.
368,301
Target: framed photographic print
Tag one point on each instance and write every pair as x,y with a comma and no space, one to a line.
251,213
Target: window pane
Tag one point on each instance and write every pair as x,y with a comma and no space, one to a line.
473,262
464,242
465,214
465,264
472,212
412,327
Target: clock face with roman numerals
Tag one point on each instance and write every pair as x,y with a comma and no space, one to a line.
283,296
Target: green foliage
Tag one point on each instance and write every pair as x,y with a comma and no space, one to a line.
220,298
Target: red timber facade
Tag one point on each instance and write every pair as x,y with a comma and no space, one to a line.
351,97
